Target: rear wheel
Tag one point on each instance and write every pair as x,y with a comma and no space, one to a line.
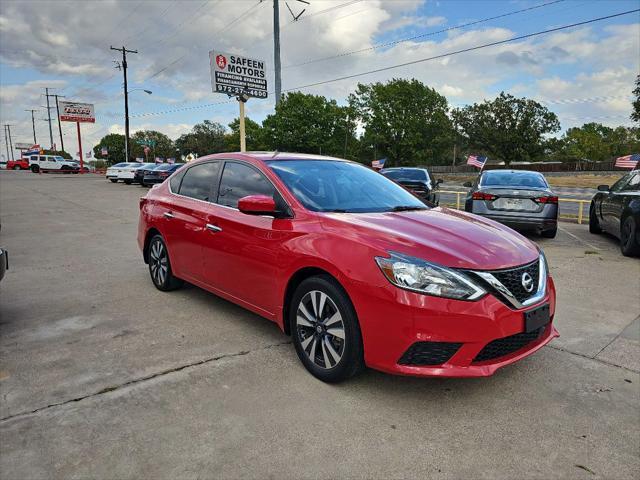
628,238
128,182
114,180
325,330
35,168
594,223
160,266
17,167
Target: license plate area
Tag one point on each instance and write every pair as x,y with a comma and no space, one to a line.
536,318
519,204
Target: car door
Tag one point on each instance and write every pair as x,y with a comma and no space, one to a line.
241,251
44,162
184,216
611,206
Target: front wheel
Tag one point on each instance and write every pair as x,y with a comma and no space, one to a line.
17,167
160,266
325,330
35,168
629,238
550,233
114,180
127,182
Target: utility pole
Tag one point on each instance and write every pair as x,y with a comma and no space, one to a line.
59,125
10,144
49,118
276,49
33,124
6,142
126,99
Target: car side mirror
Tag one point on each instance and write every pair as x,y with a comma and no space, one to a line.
258,205
467,184
603,188
439,181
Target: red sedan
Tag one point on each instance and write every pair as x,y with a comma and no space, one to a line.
356,269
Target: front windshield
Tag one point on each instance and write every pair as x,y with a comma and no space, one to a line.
337,186
407,175
499,179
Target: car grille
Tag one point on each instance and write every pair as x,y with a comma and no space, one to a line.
505,346
512,279
429,353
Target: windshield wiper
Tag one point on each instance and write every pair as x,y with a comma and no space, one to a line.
407,208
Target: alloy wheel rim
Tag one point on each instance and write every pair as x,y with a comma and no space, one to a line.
158,263
320,329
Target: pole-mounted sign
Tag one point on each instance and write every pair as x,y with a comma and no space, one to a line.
78,113
236,75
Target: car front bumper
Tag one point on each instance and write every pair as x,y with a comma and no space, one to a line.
394,320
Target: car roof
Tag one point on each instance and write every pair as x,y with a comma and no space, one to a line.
266,156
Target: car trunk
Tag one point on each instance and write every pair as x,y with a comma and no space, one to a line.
514,199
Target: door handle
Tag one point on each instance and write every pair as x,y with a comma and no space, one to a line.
168,215
213,228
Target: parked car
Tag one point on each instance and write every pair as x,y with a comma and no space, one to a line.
160,173
358,270
616,210
114,171
520,199
141,172
18,164
4,262
52,163
128,174
418,181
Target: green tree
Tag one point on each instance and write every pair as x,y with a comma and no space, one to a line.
635,114
254,136
204,139
163,147
594,141
507,128
404,120
310,124
114,143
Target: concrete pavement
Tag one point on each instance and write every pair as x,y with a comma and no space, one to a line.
103,376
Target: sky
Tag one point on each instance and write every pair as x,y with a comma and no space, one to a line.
583,74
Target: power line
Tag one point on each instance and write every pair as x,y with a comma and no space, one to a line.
464,50
391,67
423,35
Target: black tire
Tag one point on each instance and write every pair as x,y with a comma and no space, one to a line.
312,333
629,238
127,182
160,265
594,223
113,180
17,167
35,168
550,233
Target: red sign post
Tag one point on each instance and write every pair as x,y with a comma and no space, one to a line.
78,112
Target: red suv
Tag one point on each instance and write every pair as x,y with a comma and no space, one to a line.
356,269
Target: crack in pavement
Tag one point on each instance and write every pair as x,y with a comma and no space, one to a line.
588,357
143,379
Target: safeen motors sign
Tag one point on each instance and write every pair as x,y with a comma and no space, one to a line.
235,75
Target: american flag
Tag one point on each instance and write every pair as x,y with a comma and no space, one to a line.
104,151
378,163
628,161
476,161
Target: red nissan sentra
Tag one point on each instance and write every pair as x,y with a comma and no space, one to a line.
355,268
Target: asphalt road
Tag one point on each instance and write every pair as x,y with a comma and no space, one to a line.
568,209
103,376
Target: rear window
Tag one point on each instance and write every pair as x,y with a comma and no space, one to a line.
119,165
513,179
199,180
413,174
164,166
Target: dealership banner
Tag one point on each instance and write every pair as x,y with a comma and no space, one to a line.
77,112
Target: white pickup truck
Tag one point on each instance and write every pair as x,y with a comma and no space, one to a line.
52,163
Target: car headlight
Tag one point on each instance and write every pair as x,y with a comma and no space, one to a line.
421,276
545,262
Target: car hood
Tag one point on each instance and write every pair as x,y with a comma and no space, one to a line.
440,235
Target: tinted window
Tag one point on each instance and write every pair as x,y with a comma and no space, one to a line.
634,184
497,178
240,180
119,165
328,185
164,166
174,181
620,184
407,174
199,180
